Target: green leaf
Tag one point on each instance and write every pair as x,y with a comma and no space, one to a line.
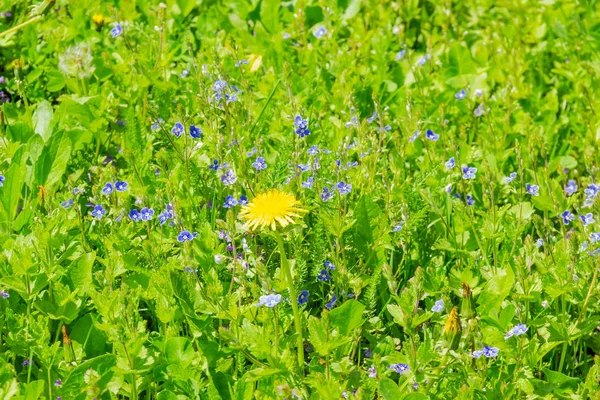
348,316
269,15
389,390
166,395
318,335
178,350
352,10
42,119
81,272
10,192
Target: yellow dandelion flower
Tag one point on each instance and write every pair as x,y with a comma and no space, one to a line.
98,19
270,208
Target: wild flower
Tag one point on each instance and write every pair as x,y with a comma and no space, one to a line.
461,94
120,186
469,199
271,208
230,202
571,187
592,190
195,132
4,294
67,204
303,297
517,330
178,129
438,306
326,194
324,276
332,302
450,163
397,227
270,300
399,368
146,214
539,243
301,126
400,55
344,188
511,177
308,184
259,164
77,61
468,172
320,32
228,178
185,236
567,217
135,215
532,189
587,219
372,372
98,211
431,135
116,31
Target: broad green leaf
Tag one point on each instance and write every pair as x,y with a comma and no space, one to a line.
269,15
179,350
81,272
348,316
42,119
389,390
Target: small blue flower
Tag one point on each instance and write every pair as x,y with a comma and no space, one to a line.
230,202
587,219
567,217
178,129
329,265
98,211
320,32
107,189
301,126
259,164
308,184
539,243
327,194
332,302
157,124
397,227
195,132
219,85
324,276
344,188
313,150
517,330
303,297
470,200
135,215
215,165
431,135
468,172
27,362
450,163
438,306
243,201
414,136
595,236
400,55
461,95
571,187
116,31
67,204
372,118
592,190
164,217
352,123
372,371
146,214
533,190
121,186
511,177
479,111
185,236
423,60
303,167
477,353
490,352
228,178
270,300
241,62
399,368
4,294
2,178
185,72
368,353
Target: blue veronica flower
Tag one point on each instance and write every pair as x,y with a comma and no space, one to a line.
215,165
4,294
450,163
107,189
67,204
178,129
368,352
195,132
399,368
344,188
228,178
479,111
331,302
313,150
470,200
230,98
2,178
468,172
98,211
372,118
595,236
539,243
303,297
185,72
567,217
584,245
301,126
219,85
414,136
397,227
252,152
372,371
587,219
163,217
308,184
327,194
270,300
571,187
438,306
243,200
320,32
146,214
316,164
135,215
324,276
460,95
120,186
592,190
329,265
477,353
511,177
490,352
185,236
352,123
385,128
517,330
116,31
157,124
532,189
400,55
303,167
423,60
259,164
230,202
241,62
431,135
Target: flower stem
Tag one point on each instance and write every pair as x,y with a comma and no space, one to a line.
285,266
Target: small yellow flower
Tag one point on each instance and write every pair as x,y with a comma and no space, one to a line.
270,208
98,19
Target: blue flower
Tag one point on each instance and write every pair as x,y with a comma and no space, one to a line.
107,189
4,294
372,118
228,178
326,195
461,95
135,215
243,200
431,135
450,163
67,204
344,188
397,227
2,178
479,111
270,300
230,202
98,211
301,126
215,165
195,132
146,214
414,136
329,265
423,60
332,302
400,55
219,85
592,190
185,236
571,187
259,164
567,217
116,30
353,122
308,184
517,330
324,276
241,62
399,368
303,297
468,172
164,217
121,186
313,150
470,200
157,124
178,129
303,167
320,32
477,353
372,371
595,236
438,306
511,177
587,219
490,352
539,243
532,189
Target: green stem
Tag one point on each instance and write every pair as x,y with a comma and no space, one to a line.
285,266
